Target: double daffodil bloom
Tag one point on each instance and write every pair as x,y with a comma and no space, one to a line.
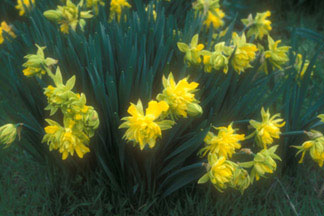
180,97
24,5
244,53
218,59
314,146
268,129
4,27
192,51
277,56
263,162
259,26
219,172
241,179
215,18
37,64
69,16
8,134
144,129
206,5
224,144
116,8
66,139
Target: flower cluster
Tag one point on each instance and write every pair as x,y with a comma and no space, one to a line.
79,120
4,27
176,100
259,26
223,172
69,16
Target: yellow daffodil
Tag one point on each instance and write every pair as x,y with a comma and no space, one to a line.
192,51
301,66
5,28
8,134
321,117
224,144
244,53
215,18
69,16
94,4
116,7
263,162
37,64
66,139
218,59
268,129
24,5
277,56
259,26
314,146
144,129
180,97
220,172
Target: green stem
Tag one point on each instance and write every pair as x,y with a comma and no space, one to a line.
292,133
50,73
250,136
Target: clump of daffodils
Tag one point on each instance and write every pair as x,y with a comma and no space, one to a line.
145,128
79,120
224,143
244,53
4,27
116,8
277,56
24,5
259,26
211,11
180,97
192,51
268,129
69,16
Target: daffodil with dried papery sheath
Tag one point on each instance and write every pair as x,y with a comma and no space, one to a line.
180,97
145,128
263,162
315,146
24,5
224,143
259,26
268,129
37,64
277,56
218,59
69,16
244,53
5,29
116,8
192,51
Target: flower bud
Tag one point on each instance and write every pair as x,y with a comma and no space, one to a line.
8,134
194,109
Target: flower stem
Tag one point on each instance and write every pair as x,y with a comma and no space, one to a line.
50,73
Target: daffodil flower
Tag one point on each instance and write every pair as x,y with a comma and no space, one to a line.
192,51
